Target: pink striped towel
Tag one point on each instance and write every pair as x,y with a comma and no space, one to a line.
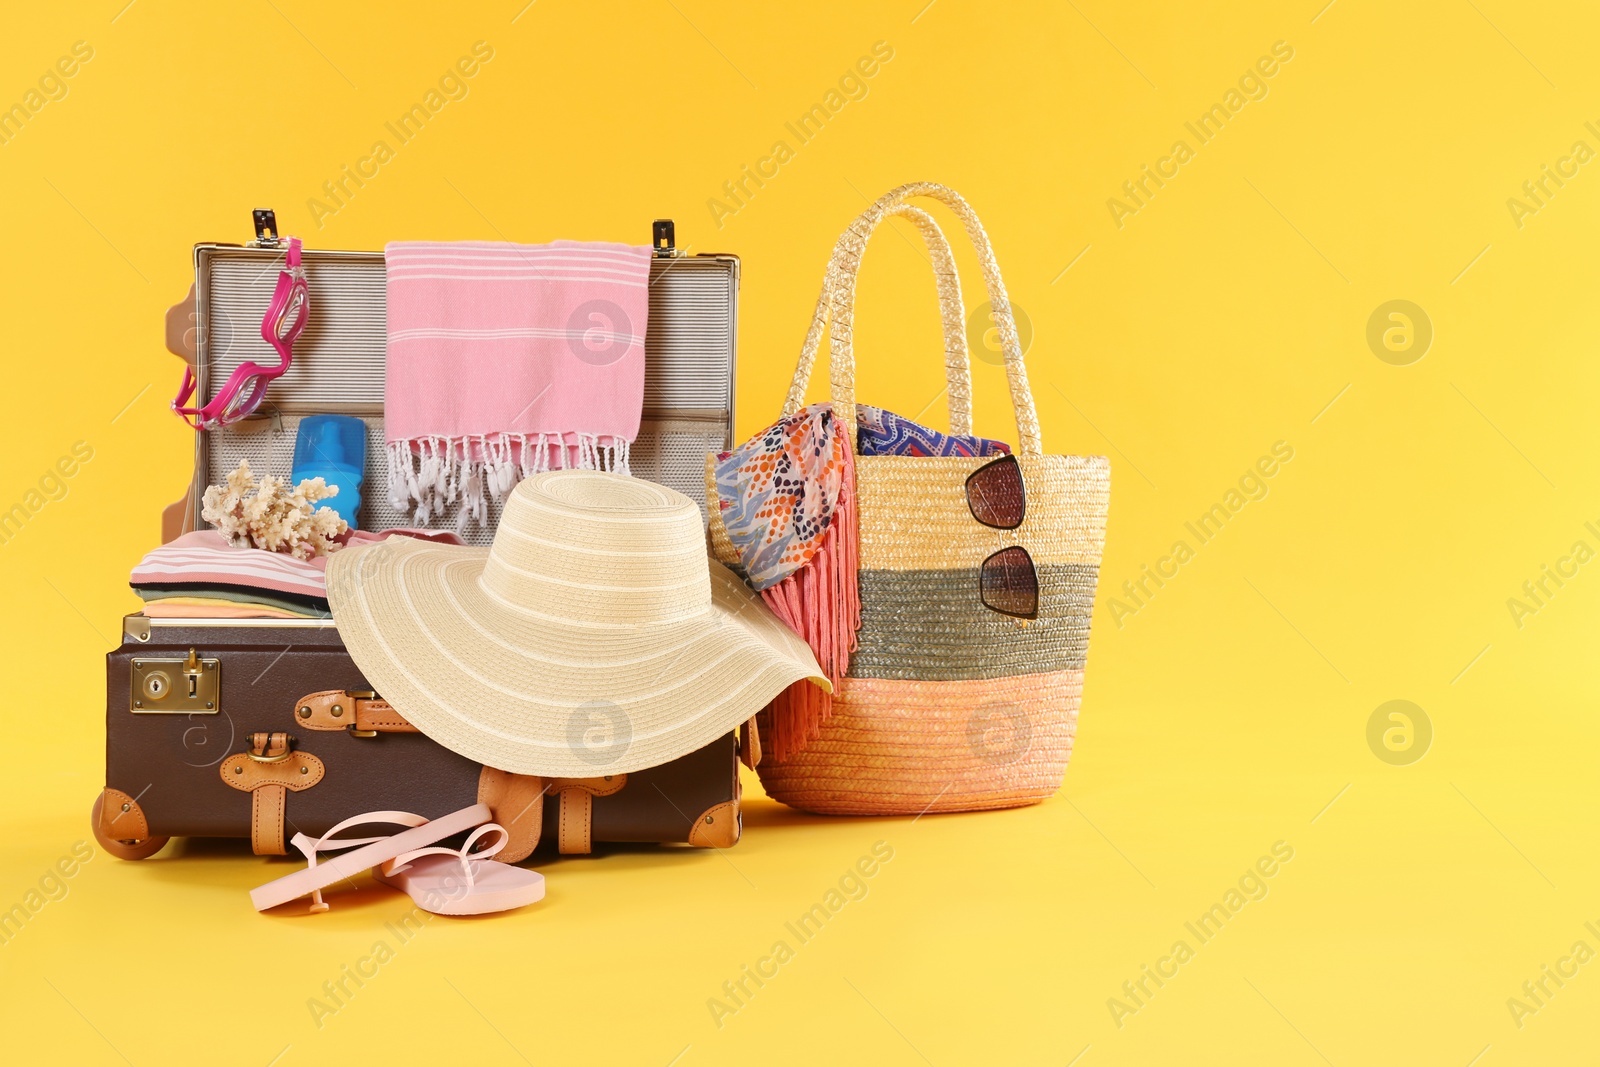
505,360
206,557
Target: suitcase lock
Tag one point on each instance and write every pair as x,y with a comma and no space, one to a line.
188,686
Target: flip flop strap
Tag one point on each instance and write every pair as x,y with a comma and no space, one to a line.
310,847
465,853
328,843
281,890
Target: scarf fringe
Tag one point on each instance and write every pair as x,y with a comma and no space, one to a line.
821,602
427,475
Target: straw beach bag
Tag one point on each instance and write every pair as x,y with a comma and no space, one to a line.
976,578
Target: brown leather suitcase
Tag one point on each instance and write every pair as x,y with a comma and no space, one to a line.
264,728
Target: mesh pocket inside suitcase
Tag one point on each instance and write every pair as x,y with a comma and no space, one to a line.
669,452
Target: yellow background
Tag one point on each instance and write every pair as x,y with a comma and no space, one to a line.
1224,316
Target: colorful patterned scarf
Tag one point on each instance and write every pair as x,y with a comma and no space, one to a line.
784,514
883,433
779,491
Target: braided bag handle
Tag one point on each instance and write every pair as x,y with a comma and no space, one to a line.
842,280
957,367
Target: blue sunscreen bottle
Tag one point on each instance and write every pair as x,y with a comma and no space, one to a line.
333,448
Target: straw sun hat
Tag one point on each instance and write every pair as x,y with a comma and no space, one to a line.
594,637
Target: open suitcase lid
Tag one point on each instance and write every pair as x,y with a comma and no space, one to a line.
339,364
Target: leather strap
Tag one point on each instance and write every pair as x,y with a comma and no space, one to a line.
379,715
269,771
750,743
517,800
517,803
342,709
266,820
575,821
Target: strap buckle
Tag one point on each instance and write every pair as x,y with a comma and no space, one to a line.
354,695
263,746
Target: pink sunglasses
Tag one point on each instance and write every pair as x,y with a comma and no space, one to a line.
242,393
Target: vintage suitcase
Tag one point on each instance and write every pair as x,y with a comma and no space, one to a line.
339,365
261,729
264,728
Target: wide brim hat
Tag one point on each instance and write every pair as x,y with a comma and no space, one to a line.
594,637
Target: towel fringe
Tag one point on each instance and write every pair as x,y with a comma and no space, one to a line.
399,461
427,475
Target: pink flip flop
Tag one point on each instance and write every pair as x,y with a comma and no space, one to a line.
453,891
464,881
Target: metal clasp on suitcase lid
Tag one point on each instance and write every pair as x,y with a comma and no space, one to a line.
663,238
266,221
169,686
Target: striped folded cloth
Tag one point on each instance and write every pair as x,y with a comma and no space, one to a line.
207,596
199,607
505,360
204,565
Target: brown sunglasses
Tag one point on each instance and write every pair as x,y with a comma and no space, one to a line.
1008,582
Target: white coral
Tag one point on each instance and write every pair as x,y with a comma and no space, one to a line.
270,516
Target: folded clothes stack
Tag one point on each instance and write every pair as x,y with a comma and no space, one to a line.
201,576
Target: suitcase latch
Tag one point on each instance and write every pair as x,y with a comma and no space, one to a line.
663,238
266,221
188,686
